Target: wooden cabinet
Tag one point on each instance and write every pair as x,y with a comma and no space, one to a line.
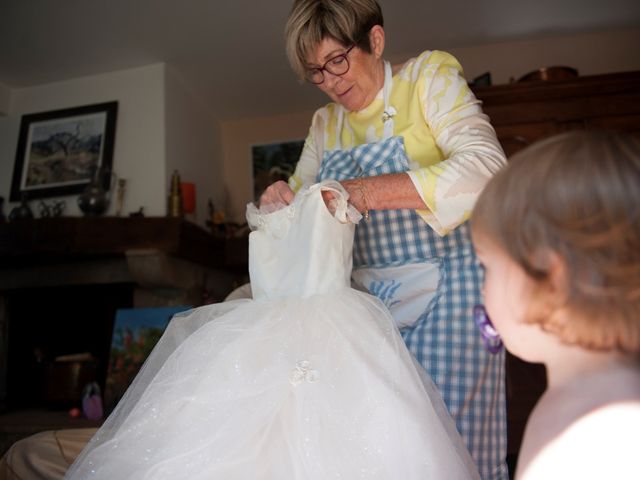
523,113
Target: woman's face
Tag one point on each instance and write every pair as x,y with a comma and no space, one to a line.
357,88
508,296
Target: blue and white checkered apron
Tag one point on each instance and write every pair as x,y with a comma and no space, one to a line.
444,337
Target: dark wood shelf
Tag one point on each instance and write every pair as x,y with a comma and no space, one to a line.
525,112
29,242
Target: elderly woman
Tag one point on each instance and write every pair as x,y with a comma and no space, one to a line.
413,150
411,146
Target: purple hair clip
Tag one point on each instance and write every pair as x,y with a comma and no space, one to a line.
490,335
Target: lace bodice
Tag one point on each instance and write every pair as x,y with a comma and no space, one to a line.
302,249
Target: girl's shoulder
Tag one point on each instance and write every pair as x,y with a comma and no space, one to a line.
600,444
584,432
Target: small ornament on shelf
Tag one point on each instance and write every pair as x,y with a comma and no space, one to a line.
122,188
44,209
175,196
53,209
216,220
94,200
57,209
22,211
137,214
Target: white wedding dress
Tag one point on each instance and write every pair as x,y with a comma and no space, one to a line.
308,380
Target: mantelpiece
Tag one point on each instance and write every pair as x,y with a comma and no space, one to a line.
26,242
150,252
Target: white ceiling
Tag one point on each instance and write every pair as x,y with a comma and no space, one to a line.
231,52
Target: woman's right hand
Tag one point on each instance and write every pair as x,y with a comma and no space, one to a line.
277,193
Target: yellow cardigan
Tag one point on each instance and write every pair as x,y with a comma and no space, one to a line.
452,147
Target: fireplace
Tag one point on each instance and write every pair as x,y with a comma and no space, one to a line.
47,323
62,281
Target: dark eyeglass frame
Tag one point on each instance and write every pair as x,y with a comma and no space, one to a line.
490,335
324,67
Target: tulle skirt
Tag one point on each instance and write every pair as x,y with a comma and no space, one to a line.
304,388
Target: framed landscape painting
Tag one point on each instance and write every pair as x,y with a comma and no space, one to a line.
59,151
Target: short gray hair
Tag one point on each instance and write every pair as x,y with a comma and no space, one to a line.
311,21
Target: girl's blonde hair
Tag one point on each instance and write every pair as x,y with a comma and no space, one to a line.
576,195
346,21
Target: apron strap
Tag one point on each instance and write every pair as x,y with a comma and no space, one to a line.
339,122
389,110
387,115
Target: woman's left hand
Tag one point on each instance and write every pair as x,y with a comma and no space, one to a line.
383,192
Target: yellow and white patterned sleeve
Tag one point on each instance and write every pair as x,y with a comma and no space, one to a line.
466,138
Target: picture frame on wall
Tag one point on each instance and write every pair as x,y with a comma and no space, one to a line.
60,151
273,162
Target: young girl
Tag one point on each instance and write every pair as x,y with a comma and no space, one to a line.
558,233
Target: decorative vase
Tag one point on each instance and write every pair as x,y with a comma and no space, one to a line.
94,200
22,211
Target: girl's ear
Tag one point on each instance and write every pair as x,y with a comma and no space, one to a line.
558,281
376,40
555,290
550,293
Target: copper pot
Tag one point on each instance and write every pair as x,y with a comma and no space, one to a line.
65,380
550,73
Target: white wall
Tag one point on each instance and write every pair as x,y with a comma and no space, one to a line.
590,53
5,97
139,152
593,53
193,145
238,138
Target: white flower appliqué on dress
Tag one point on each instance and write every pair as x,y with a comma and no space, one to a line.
303,372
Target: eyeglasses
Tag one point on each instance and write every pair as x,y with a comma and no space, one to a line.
490,335
338,65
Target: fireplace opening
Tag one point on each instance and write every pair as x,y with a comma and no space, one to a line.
47,325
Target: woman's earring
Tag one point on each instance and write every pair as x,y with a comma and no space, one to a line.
490,335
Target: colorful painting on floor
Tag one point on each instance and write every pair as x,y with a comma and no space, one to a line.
135,333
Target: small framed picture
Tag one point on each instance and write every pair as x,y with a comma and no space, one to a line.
272,162
59,151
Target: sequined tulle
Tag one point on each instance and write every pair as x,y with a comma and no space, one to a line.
310,380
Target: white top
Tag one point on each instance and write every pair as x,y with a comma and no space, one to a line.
282,242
